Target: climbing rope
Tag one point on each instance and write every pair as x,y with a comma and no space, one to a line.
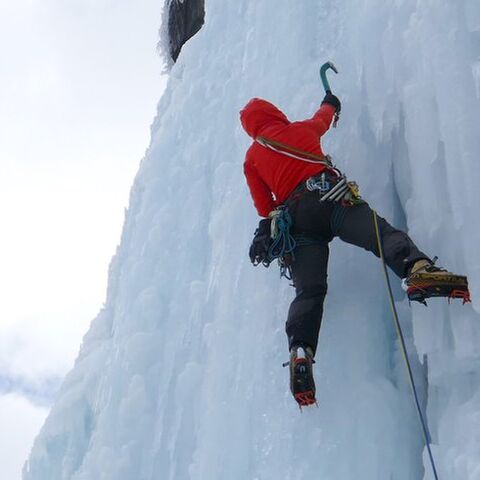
403,346
283,243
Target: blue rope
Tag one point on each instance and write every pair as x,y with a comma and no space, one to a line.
284,243
404,347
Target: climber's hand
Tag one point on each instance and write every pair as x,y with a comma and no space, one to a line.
332,100
261,242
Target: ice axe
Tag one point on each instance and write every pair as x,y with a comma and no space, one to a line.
323,76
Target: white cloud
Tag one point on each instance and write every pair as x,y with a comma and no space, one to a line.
79,82
20,421
78,88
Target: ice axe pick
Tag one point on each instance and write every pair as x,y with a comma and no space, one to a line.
323,76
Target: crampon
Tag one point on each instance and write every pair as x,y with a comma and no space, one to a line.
450,286
305,399
302,384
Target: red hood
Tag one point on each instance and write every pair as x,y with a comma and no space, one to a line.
258,113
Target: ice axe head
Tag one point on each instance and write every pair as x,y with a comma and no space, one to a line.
323,74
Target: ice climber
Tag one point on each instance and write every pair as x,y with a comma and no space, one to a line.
306,202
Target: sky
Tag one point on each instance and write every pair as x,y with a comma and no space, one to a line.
79,84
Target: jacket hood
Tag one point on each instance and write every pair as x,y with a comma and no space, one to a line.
258,113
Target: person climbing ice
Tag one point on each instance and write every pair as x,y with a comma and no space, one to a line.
305,202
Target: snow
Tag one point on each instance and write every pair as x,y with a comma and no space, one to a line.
179,376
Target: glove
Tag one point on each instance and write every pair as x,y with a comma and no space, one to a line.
332,100
261,242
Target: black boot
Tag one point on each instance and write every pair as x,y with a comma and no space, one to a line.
302,383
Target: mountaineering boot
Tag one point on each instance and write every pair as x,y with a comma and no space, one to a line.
302,384
425,280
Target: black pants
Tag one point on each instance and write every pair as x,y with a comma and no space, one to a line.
322,221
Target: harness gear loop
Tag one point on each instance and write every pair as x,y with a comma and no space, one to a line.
335,188
403,345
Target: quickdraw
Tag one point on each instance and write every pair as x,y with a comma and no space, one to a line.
335,189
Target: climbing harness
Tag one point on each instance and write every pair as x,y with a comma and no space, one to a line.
337,192
335,188
403,345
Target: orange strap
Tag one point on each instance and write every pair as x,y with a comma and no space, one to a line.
293,152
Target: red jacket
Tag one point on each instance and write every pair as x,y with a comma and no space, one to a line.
272,176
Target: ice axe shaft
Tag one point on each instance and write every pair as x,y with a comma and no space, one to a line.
323,75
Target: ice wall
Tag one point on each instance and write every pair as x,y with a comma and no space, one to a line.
180,374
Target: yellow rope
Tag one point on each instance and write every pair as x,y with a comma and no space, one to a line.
390,297
402,344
